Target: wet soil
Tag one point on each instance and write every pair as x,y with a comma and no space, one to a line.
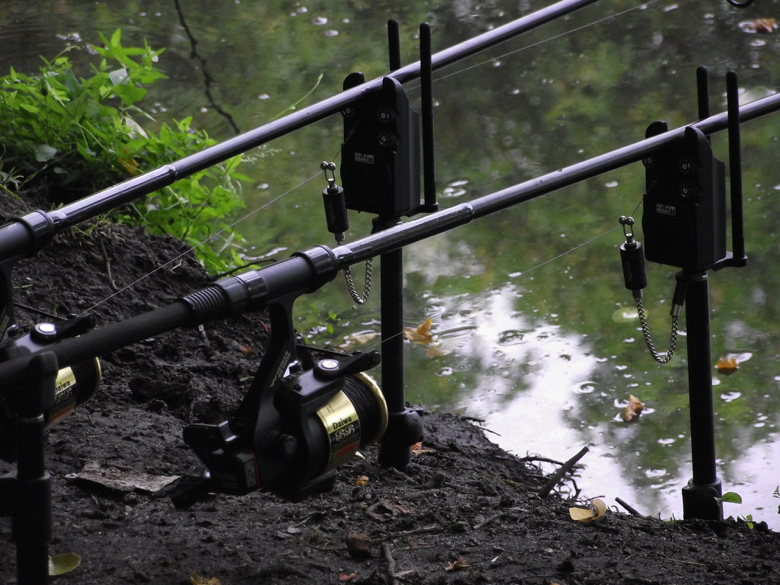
463,511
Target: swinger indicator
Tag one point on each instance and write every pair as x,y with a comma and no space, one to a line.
632,259
336,215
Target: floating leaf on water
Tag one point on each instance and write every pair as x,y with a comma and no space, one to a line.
61,564
421,334
633,410
595,511
727,365
434,351
759,25
363,337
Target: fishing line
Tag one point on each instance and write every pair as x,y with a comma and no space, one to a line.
192,248
199,244
215,235
253,212
494,59
521,274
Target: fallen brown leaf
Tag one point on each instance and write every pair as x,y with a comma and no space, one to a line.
358,545
633,410
125,480
727,365
764,25
421,334
595,511
459,564
417,449
346,577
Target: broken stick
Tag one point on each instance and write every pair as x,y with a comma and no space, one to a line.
563,470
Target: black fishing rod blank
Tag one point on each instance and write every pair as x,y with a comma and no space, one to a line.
309,270
110,198
28,234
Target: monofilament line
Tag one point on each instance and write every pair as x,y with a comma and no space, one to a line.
574,30
500,285
199,244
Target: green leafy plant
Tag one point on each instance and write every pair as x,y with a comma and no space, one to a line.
731,498
735,498
69,136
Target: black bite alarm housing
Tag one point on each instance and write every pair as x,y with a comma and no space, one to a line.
684,217
380,157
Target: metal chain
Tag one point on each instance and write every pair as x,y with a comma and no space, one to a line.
660,358
366,287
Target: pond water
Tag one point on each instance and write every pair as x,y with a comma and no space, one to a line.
534,331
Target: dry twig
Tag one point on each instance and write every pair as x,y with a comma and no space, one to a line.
558,475
392,578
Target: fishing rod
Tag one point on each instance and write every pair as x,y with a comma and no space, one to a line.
306,272
307,410
28,234
136,187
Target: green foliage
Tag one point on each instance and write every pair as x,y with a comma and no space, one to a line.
71,136
731,497
735,498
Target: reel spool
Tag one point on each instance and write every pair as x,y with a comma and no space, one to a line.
308,424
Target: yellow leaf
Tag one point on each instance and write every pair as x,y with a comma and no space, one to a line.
727,365
421,334
764,25
633,410
61,564
459,564
362,480
196,579
595,511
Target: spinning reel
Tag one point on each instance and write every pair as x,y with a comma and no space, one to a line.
74,385
306,412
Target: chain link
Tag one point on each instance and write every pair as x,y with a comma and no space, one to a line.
659,357
366,287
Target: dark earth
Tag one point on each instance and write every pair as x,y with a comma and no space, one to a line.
463,511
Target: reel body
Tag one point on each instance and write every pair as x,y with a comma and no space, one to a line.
301,418
74,385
